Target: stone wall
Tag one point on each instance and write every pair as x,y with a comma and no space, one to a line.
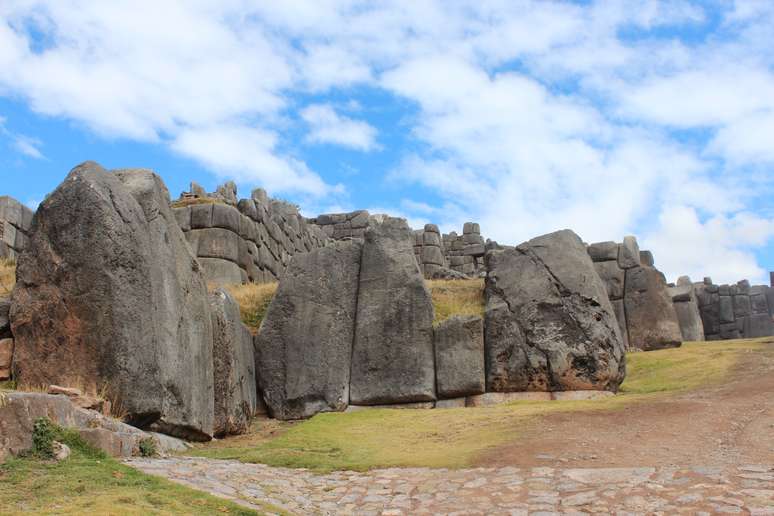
340,226
429,251
465,253
249,240
15,224
638,293
735,311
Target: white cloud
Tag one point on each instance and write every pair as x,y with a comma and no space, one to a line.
527,116
720,246
20,143
327,126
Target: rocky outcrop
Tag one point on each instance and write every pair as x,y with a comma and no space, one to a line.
549,323
15,224
687,310
650,315
304,347
392,358
235,387
459,357
120,305
19,411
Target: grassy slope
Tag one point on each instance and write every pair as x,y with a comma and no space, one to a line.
253,300
382,438
90,483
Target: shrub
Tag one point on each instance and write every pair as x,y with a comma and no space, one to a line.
44,433
7,276
148,447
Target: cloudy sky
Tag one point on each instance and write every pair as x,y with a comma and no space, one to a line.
609,117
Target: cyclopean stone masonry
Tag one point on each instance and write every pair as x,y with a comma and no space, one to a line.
465,253
638,293
687,308
249,240
735,311
15,223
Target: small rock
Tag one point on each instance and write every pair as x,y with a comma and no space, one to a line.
61,451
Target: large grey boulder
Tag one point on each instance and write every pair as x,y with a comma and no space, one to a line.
304,346
235,387
108,294
392,357
650,314
459,357
549,324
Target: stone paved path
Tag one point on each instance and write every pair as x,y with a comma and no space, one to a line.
662,490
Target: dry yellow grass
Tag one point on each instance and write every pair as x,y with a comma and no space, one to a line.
253,300
457,297
7,276
189,201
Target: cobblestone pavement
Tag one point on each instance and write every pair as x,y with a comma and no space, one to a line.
664,490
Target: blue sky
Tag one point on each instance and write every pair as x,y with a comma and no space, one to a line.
645,117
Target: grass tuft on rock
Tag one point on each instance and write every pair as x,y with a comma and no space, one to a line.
380,438
253,300
190,201
457,297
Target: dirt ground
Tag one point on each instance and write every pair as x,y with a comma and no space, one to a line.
732,423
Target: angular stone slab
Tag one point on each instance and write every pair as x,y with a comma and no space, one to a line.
549,323
233,357
603,251
613,277
459,357
392,357
650,314
304,347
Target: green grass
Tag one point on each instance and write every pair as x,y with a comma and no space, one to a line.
91,483
454,438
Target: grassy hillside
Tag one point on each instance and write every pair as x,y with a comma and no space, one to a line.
382,438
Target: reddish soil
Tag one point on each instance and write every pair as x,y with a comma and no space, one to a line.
726,424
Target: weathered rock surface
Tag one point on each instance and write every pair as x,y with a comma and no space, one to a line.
687,311
5,321
459,357
304,348
6,358
549,322
20,410
650,313
392,358
121,305
235,387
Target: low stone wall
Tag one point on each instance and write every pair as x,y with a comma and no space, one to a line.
250,240
735,311
15,224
